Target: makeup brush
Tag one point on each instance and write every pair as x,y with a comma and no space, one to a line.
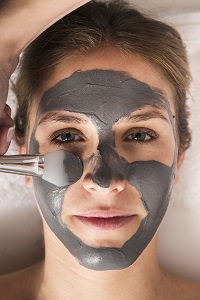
60,168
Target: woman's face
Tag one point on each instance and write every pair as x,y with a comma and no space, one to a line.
117,115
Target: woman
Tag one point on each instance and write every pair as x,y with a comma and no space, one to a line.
107,85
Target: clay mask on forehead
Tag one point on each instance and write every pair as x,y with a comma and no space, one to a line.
105,96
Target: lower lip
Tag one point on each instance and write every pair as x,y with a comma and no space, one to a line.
105,223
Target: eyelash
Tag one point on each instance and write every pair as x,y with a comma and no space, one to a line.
54,137
152,134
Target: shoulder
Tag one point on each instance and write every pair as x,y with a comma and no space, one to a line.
21,285
179,288
190,290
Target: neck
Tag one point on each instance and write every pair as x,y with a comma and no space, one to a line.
65,278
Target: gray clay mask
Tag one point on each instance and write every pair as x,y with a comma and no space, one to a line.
106,96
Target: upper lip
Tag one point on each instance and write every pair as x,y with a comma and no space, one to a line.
105,214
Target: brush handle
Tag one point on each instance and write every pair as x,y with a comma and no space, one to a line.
60,168
32,165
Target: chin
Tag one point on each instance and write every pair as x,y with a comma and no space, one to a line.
105,243
110,239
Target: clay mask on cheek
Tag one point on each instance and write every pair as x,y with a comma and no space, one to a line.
106,96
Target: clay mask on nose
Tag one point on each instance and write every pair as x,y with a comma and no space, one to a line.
105,96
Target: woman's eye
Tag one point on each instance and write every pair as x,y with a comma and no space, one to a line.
67,137
141,136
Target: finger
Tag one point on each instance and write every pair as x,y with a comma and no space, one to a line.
6,135
6,119
7,109
6,130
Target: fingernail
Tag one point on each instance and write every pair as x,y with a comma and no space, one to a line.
10,134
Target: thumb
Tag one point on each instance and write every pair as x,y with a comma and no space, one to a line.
7,129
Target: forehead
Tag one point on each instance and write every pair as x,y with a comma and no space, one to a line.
104,95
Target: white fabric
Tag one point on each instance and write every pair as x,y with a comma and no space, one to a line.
179,243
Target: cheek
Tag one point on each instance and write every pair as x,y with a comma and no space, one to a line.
49,198
154,181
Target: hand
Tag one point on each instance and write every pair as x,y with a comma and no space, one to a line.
6,123
6,129
21,21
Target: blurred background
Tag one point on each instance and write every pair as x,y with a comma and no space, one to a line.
158,6
21,239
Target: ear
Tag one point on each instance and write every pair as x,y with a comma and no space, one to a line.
180,160
28,179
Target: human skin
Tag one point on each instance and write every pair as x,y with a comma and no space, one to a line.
163,150
111,106
21,22
60,276
96,62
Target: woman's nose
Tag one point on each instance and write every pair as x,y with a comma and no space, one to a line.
105,172
115,186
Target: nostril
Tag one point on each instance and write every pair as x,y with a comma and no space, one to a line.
118,186
92,184
91,189
89,184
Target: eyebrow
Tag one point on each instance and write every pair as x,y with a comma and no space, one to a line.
146,116
58,117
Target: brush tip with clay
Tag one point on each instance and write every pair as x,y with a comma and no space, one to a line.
60,167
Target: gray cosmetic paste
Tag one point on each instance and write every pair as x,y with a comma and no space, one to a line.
105,96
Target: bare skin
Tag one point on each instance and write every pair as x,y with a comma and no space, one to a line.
60,276
136,282
21,22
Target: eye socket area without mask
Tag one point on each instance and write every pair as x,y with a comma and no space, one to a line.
142,135
147,134
106,153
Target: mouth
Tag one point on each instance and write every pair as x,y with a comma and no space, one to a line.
106,220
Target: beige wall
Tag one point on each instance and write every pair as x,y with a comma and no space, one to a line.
159,5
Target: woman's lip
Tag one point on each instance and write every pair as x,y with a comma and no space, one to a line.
106,223
105,214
